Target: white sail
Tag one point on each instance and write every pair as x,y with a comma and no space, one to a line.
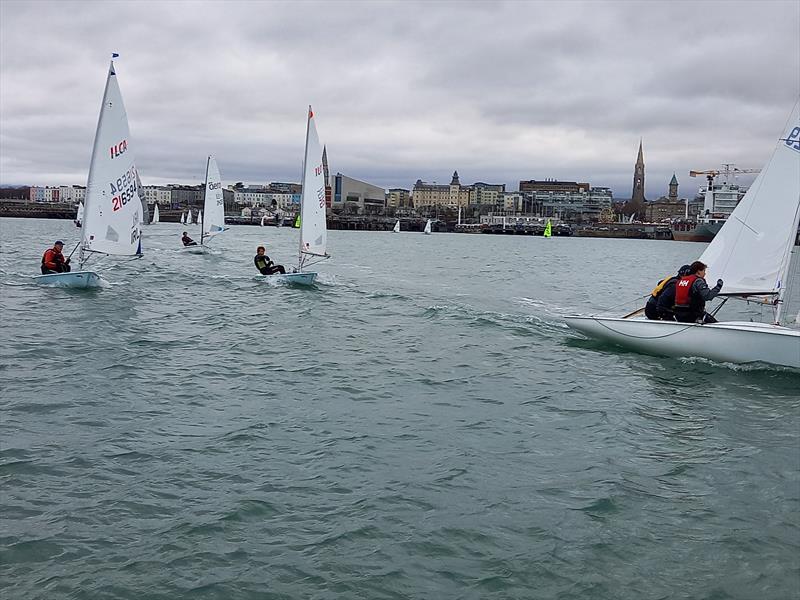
427,229
313,231
214,205
396,227
79,216
113,207
155,214
752,250
189,217
199,217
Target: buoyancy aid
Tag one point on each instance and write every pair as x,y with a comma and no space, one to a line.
262,262
683,289
51,259
657,290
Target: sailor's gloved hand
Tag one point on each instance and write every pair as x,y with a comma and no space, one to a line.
66,262
719,283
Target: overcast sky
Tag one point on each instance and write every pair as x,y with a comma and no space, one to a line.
401,91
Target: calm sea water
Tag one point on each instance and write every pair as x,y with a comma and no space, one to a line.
420,424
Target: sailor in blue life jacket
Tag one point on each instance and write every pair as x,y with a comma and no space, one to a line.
665,287
692,293
264,265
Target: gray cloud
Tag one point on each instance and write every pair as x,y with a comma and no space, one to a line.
499,91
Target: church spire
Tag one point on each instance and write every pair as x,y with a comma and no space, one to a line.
637,196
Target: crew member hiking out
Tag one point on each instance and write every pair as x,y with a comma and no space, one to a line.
662,298
264,265
53,260
692,293
187,241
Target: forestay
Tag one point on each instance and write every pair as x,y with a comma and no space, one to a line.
751,252
214,205
113,208
313,231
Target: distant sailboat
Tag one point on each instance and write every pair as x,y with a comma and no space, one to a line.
427,230
189,217
296,224
113,208
263,220
213,220
199,216
396,227
79,215
155,215
751,254
311,219
548,229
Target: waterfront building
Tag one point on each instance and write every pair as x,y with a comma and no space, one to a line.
486,193
430,195
42,194
553,185
157,194
186,195
279,187
664,209
510,202
72,193
577,206
352,196
398,198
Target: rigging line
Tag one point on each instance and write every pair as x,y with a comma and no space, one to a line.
647,337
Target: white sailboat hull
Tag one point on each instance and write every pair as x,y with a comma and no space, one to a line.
731,342
74,279
199,249
306,278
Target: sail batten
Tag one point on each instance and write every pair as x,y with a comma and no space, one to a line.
751,251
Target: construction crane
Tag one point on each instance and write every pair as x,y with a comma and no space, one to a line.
727,170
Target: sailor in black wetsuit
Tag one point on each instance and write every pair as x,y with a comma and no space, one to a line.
264,265
187,241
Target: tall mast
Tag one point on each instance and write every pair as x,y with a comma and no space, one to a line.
205,191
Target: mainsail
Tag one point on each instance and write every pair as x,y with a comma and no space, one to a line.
752,250
313,231
113,209
214,215
155,214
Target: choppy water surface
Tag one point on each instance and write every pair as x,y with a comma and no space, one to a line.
420,424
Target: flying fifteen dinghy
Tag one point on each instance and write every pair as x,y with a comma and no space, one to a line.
313,229
751,254
113,207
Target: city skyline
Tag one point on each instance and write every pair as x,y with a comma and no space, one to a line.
500,92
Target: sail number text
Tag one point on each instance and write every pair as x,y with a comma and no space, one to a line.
321,196
124,190
793,141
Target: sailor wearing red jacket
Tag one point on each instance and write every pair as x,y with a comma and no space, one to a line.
53,260
692,293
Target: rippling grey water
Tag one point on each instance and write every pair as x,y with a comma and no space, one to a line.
421,424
